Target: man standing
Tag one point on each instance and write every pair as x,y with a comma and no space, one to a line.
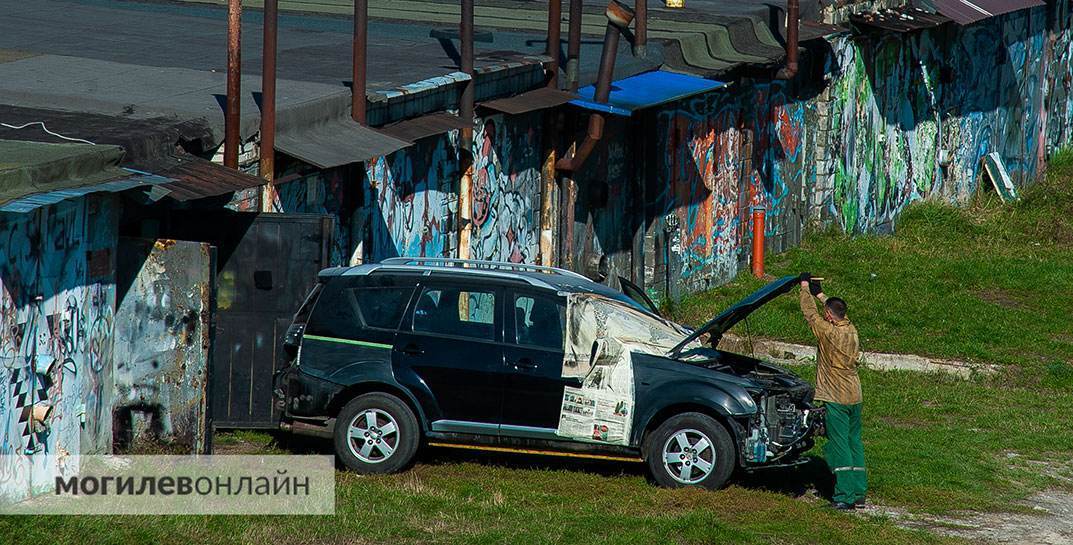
837,384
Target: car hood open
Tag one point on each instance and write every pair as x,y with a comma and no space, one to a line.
737,312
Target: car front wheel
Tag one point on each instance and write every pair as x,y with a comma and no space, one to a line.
376,433
690,449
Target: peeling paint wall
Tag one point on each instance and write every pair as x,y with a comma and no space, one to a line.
57,301
162,342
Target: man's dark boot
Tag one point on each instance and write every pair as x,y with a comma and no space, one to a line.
841,506
860,504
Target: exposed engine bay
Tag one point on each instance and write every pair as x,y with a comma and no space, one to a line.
777,430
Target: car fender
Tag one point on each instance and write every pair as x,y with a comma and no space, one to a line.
362,376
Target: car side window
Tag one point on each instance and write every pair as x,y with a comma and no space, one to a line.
539,321
455,311
381,307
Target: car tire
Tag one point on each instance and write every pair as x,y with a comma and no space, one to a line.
690,449
376,433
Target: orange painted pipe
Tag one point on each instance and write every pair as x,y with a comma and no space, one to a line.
758,242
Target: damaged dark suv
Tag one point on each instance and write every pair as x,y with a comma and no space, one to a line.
391,356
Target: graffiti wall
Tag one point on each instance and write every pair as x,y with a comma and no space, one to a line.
410,198
57,299
912,115
720,155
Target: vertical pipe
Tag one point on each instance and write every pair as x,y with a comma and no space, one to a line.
234,78
555,22
793,22
573,47
267,165
361,48
758,241
465,109
465,112
640,31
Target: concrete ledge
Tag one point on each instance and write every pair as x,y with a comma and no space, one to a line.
783,353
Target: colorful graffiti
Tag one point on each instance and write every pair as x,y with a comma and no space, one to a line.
331,192
506,189
411,201
57,295
913,116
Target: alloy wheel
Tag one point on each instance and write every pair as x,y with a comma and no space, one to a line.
373,436
688,456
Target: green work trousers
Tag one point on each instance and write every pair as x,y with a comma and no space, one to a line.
845,452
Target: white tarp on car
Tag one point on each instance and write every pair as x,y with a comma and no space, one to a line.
601,334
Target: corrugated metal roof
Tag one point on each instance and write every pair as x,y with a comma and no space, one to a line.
538,99
905,19
337,142
191,177
417,128
30,202
645,90
965,12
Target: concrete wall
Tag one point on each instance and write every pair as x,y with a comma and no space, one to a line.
57,302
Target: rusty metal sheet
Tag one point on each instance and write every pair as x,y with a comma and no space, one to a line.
417,128
196,178
538,99
164,303
905,19
965,12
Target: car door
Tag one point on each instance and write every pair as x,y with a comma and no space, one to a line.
536,325
452,348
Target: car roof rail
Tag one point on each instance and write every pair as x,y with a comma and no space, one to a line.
449,262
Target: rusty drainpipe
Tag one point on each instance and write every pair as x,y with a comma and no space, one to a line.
793,23
234,85
573,46
640,29
618,21
361,48
555,22
267,166
465,112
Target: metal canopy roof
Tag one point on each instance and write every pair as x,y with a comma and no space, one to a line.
34,168
417,128
537,99
645,90
337,142
965,12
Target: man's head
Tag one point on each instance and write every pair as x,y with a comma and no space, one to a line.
834,309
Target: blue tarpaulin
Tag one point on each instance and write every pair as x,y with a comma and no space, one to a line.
644,90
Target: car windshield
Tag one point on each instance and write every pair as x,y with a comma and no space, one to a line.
627,324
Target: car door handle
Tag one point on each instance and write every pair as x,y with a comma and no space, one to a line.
525,363
412,350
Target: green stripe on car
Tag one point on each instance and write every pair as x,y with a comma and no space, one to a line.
348,341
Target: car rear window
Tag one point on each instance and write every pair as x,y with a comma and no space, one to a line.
381,307
342,312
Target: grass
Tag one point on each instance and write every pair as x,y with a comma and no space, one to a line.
989,282
449,498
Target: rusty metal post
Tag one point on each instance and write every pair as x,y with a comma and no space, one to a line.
465,112
361,48
793,23
267,164
573,47
619,18
555,23
234,83
758,241
640,30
